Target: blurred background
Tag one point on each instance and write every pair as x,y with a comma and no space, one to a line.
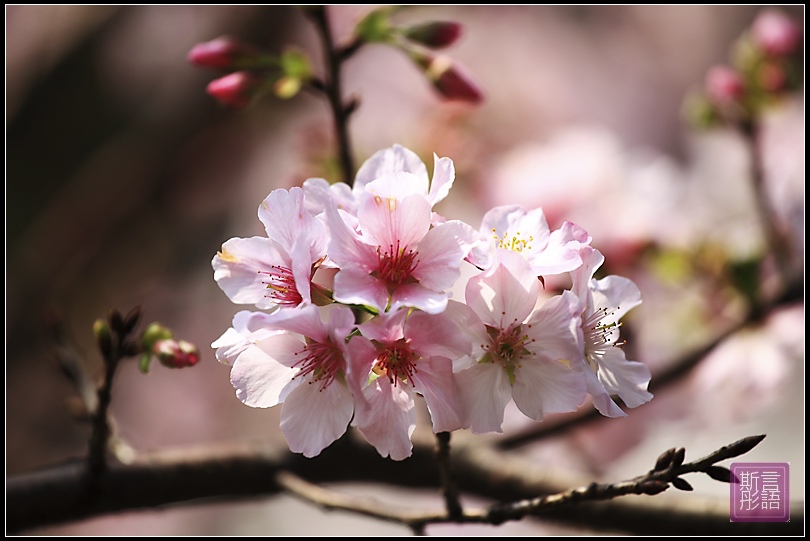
123,178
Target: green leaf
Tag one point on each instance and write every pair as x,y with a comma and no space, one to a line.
375,27
144,361
295,65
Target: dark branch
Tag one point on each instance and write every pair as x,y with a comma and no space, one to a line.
53,495
332,87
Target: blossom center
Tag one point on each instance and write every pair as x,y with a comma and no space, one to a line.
599,335
507,347
323,362
396,265
396,362
281,285
512,241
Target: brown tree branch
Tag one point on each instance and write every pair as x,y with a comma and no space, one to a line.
55,495
331,84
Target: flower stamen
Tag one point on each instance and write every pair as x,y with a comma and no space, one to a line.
281,283
397,362
323,361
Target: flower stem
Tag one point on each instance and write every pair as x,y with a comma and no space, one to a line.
449,489
332,87
777,244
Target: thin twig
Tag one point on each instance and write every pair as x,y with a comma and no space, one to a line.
449,489
775,240
332,87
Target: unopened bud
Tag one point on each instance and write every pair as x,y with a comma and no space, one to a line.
115,319
724,85
236,89
776,33
225,53
176,353
435,35
131,319
153,333
449,78
103,336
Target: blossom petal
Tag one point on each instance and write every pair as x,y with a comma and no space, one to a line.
484,391
418,296
312,418
436,335
444,173
433,379
260,380
628,379
319,194
602,400
285,219
441,252
616,293
386,328
389,420
547,387
592,259
239,269
389,162
346,248
248,329
555,329
304,320
360,357
505,295
392,223
358,287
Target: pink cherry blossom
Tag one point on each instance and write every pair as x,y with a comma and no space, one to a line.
604,303
299,361
275,270
411,353
394,258
520,352
384,163
514,229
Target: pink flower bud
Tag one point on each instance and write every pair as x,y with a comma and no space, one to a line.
236,89
450,79
221,53
724,85
176,353
776,33
434,34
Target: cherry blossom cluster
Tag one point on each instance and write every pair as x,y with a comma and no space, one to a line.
357,318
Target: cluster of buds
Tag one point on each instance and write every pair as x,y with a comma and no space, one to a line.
158,341
766,63
252,72
420,41
358,317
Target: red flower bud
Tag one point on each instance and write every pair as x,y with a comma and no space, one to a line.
450,79
776,33
236,89
724,85
434,34
221,53
176,353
